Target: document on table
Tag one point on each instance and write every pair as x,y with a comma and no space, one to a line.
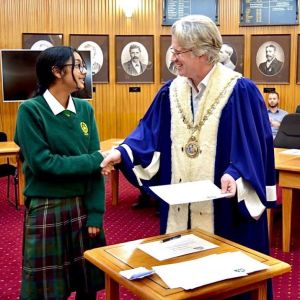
188,192
291,151
209,269
178,246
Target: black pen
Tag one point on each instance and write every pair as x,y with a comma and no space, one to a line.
171,238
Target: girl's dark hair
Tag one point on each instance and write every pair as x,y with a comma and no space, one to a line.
49,58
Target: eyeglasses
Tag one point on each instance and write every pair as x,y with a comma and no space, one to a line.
82,67
176,52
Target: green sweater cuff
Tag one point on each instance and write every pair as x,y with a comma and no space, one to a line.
95,219
98,158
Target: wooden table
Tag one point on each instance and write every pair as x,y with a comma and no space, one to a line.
11,149
115,258
288,167
106,146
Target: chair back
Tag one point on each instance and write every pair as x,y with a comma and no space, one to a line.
288,135
3,136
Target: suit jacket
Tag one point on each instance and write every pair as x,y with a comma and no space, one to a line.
130,69
273,68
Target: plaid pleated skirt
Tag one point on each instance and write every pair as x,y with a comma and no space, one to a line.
55,237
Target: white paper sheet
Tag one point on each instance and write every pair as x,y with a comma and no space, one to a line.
291,151
186,244
188,192
136,273
209,269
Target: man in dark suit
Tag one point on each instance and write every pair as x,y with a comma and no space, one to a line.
134,66
272,65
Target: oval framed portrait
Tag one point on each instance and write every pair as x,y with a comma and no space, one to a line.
168,69
169,63
98,45
270,58
134,58
235,48
41,41
41,45
96,55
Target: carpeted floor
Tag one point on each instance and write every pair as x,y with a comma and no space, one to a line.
122,223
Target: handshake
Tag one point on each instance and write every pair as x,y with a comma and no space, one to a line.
111,158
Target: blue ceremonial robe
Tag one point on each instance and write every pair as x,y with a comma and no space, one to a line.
244,149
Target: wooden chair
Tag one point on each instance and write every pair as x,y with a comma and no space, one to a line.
271,212
11,172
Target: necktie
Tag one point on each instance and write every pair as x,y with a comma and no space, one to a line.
67,113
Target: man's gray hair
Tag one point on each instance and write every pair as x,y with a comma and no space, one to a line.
200,34
134,46
271,46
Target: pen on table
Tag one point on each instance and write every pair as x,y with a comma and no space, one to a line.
171,238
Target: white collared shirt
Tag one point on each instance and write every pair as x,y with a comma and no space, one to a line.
55,106
196,95
137,67
269,62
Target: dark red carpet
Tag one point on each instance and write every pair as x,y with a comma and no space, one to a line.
122,223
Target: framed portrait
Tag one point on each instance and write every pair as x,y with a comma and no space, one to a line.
298,60
98,45
270,58
232,52
134,58
167,68
41,41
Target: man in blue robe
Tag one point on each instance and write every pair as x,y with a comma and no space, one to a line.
207,123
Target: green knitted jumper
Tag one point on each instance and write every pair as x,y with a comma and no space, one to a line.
61,157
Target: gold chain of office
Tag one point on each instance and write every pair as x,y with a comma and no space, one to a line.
192,147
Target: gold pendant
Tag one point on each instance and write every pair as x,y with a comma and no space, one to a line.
192,148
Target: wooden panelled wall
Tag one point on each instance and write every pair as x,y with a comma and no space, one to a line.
117,110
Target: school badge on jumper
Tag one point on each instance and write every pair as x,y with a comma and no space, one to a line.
84,128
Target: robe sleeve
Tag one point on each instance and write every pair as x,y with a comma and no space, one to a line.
144,149
251,150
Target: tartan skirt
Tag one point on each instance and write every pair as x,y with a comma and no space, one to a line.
55,237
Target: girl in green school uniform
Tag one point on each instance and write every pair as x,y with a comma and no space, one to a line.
64,188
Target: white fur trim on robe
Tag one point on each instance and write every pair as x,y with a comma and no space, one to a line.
245,192
144,173
185,169
271,193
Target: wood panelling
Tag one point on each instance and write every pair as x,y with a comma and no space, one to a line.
118,111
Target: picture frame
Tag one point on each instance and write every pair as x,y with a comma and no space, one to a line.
270,58
234,45
134,58
41,41
173,10
298,60
270,13
167,70
99,47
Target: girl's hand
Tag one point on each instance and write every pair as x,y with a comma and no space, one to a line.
93,231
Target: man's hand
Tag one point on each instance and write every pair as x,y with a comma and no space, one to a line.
107,165
228,185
